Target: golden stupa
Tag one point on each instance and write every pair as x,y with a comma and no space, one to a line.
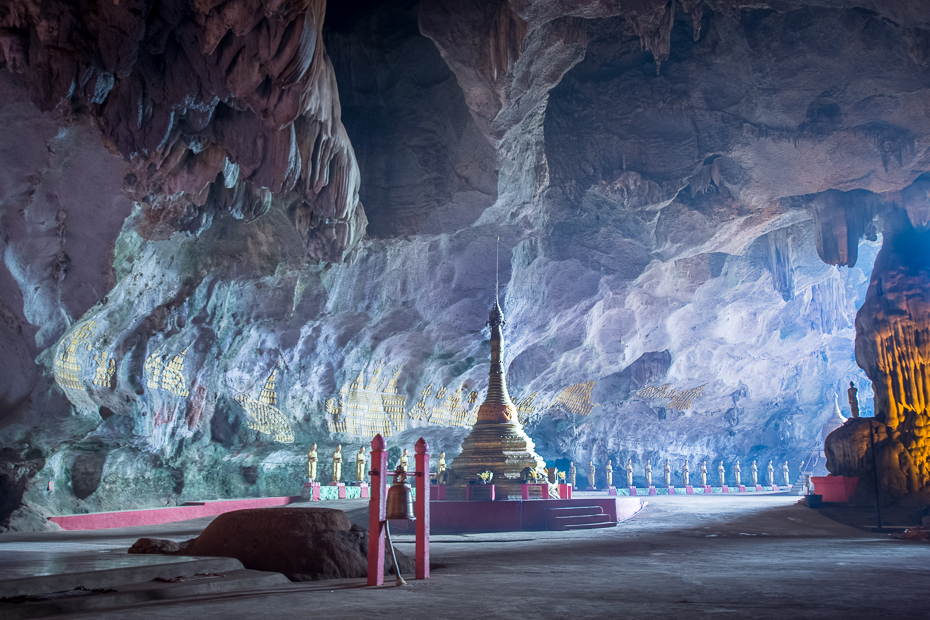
497,442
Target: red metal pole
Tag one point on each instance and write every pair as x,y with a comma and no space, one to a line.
421,509
376,511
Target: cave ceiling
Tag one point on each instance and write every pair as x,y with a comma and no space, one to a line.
231,228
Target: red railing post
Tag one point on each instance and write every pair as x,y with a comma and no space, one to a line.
421,509
376,511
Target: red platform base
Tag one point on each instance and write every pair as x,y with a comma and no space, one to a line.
480,493
835,488
534,490
513,515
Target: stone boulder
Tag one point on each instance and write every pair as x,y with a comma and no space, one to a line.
847,446
304,544
849,454
159,546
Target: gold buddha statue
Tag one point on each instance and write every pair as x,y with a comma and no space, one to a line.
311,463
360,461
441,469
337,464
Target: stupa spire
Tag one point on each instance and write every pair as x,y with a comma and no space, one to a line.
497,274
497,406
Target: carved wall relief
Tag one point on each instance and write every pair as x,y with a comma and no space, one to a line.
680,399
264,415
170,376
576,399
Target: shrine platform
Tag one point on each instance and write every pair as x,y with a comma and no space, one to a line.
515,515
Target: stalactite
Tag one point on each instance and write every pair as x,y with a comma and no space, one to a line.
780,263
916,201
506,42
708,175
840,220
187,89
694,8
655,30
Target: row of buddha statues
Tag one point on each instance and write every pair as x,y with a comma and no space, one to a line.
572,474
361,464
570,477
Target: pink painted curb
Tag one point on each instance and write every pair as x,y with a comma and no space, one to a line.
154,516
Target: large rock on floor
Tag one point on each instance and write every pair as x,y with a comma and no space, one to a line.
304,544
849,453
847,446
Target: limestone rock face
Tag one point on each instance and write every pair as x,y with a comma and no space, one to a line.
689,197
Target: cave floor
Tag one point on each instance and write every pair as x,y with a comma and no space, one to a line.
680,557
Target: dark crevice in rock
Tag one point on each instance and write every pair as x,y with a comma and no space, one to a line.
425,167
86,471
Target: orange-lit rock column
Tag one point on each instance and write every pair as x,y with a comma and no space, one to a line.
893,347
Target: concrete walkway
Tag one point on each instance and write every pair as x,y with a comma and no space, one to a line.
681,557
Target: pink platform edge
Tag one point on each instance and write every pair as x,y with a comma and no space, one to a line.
835,488
154,516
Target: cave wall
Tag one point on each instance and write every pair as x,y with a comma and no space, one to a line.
689,197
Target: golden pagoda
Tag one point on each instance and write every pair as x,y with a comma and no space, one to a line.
497,442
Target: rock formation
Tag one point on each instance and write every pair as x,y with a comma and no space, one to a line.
689,197
893,346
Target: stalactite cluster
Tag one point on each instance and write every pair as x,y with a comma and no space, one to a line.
220,106
840,220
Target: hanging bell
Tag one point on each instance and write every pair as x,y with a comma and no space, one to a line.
399,499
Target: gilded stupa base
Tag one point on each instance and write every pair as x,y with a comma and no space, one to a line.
501,448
